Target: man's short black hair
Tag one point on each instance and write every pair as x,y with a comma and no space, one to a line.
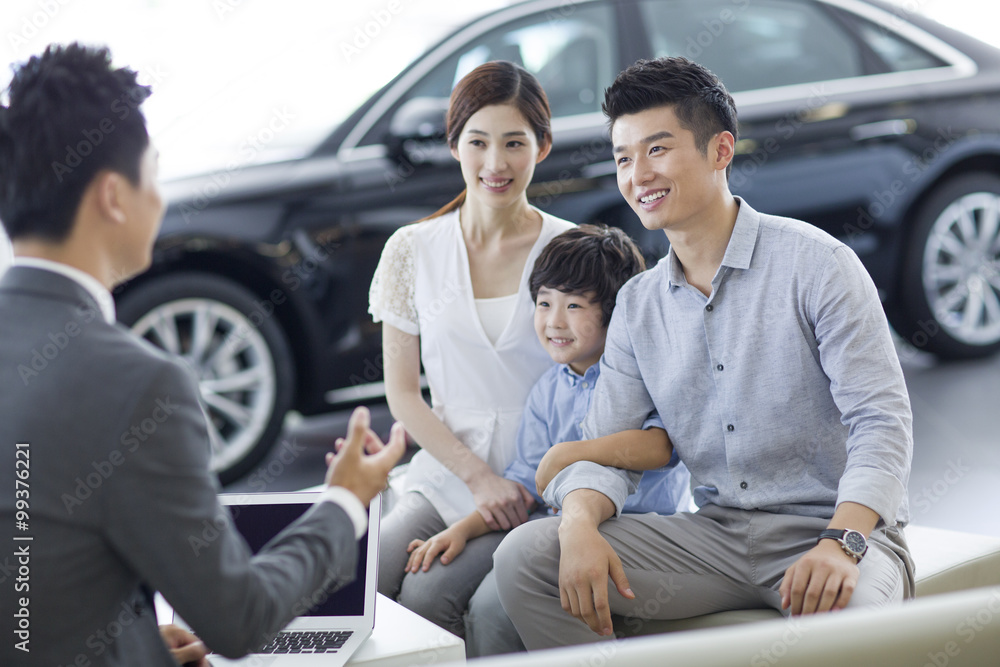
703,105
70,115
588,258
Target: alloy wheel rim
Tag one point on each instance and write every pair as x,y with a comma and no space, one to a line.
233,364
962,269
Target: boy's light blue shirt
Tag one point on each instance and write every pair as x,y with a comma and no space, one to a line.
554,413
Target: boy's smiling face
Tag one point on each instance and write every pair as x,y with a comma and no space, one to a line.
570,327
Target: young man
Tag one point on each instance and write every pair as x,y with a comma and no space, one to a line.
761,343
573,284
104,481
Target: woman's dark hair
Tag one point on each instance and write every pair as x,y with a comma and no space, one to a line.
496,82
70,116
588,258
703,105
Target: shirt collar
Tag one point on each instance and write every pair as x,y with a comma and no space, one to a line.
739,250
572,378
100,293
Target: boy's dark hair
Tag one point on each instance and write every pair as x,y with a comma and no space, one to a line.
69,117
703,105
588,258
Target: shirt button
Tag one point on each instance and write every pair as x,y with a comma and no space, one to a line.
719,367
730,428
586,384
743,485
708,307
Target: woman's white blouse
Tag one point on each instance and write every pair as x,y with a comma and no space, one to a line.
422,286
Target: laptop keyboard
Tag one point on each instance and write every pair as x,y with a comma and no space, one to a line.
308,642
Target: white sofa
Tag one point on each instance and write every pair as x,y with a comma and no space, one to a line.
955,620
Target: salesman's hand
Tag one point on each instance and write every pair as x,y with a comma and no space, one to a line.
824,578
361,474
586,561
184,646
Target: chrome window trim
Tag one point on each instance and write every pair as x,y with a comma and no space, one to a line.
961,66
436,57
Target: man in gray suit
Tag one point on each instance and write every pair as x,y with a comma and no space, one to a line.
105,493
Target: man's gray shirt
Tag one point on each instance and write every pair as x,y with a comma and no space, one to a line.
781,391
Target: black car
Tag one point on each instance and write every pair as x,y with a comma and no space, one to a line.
876,125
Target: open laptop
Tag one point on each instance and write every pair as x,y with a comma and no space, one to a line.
336,628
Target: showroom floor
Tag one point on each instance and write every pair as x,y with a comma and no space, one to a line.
955,479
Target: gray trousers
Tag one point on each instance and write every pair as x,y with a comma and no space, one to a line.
441,594
683,565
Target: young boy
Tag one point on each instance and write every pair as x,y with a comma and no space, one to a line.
574,283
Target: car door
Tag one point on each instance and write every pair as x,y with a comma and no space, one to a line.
826,123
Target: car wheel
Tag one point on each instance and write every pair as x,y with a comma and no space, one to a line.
237,351
950,287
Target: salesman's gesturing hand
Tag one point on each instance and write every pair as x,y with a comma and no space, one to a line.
361,474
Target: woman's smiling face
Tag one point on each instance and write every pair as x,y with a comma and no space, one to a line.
498,151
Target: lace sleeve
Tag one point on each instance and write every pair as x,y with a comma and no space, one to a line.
391,297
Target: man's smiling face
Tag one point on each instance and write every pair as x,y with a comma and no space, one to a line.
662,174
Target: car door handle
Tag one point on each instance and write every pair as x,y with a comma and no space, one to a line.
883,128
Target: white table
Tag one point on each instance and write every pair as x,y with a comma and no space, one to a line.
400,638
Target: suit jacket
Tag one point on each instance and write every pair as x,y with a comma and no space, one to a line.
119,498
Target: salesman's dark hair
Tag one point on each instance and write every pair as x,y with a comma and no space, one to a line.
703,105
70,115
588,258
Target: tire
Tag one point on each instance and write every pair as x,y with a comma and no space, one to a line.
246,389
949,294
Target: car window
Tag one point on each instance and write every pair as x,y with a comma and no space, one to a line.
899,54
571,49
754,45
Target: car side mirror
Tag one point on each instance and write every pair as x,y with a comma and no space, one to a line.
417,131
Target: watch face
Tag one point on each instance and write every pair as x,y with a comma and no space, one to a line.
855,541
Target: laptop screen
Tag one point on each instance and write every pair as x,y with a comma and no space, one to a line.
260,523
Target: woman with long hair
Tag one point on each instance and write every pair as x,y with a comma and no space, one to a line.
452,293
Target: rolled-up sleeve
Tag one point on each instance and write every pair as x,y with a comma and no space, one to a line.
857,354
615,483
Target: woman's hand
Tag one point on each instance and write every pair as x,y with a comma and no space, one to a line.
451,541
503,504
